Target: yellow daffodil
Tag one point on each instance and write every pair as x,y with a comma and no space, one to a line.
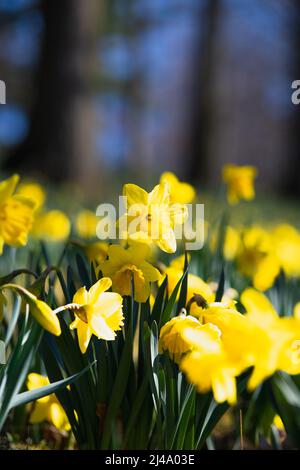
96,251
33,191
211,371
96,312
282,337
86,224
240,182
198,350
208,366
174,339
236,332
232,243
286,240
257,258
180,192
151,217
47,408
52,226
39,309
123,265
16,214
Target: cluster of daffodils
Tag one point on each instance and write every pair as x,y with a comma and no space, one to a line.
22,213
211,341
216,347
261,253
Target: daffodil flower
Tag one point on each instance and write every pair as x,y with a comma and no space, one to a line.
151,217
86,224
286,243
33,191
212,370
123,266
240,182
47,408
180,192
16,214
200,354
53,226
257,258
283,334
174,336
96,312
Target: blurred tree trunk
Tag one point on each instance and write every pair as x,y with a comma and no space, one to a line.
291,182
202,102
59,143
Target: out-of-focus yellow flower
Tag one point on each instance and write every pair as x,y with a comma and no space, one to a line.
86,224
211,371
246,342
151,217
180,192
47,408
41,311
124,265
174,338
16,214
232,243
281,350
286,241
33,191
97,312
240,182
97,251
257,258
208,365
51,226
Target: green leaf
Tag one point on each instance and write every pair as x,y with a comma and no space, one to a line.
14,319
83,271
16,370
220,290
184,285
159,301
183,420
286,397
168,312
119,386
215,413
7,279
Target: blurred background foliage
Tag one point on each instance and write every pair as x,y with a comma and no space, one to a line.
102,90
